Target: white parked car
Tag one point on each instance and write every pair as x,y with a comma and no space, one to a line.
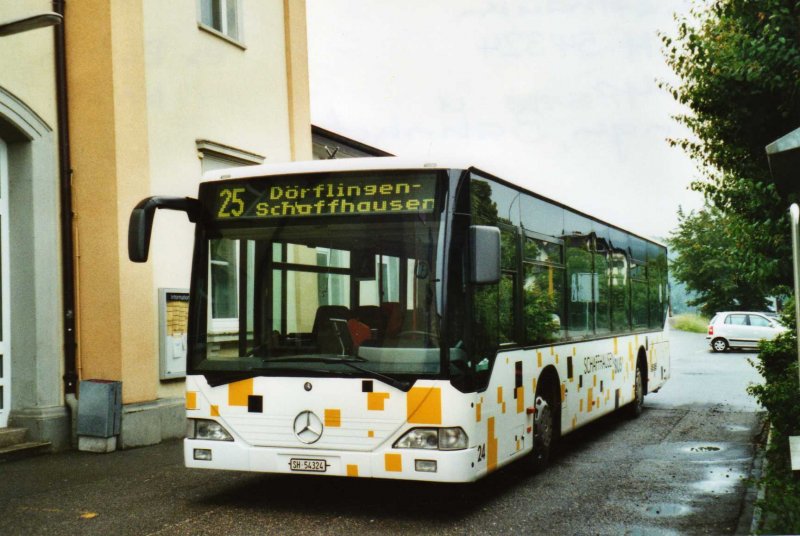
741,329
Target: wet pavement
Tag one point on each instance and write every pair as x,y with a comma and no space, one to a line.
680,468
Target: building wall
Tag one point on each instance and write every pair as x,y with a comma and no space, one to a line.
231,95
27,125
146,83
27,69
105,58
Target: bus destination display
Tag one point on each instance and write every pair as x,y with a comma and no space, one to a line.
330,196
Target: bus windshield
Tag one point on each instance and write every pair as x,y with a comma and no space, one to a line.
322,296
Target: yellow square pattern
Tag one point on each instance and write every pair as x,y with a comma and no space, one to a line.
333,418
376,401
424,405
393,463
239,391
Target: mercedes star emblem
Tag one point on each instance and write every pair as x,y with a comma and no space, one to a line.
307,427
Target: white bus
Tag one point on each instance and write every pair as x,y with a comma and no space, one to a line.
392,319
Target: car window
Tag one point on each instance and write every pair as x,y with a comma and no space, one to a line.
736,320
760,321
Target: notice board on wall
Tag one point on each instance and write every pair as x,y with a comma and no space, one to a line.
173,313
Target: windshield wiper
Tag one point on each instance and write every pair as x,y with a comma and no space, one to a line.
217,378
312,359
348,361
351,362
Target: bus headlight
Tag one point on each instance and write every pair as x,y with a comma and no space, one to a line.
433,438
452,439
207,429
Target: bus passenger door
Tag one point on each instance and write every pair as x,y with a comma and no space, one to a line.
515,401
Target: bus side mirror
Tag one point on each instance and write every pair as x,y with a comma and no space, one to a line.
140,226
484,246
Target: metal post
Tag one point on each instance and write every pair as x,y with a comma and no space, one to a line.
794,216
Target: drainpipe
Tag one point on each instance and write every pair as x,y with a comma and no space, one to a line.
65,188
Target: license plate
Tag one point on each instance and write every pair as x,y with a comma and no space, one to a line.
308,465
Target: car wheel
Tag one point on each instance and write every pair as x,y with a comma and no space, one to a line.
719,345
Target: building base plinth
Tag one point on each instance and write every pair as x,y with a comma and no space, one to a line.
97,444
49,424
149,423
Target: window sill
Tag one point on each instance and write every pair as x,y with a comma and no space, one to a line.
217,33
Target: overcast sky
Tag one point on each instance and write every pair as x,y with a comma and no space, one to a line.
557,95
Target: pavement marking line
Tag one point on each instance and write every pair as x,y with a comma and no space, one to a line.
37,509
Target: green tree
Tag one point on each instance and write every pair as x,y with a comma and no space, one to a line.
738,64
713,262
777,363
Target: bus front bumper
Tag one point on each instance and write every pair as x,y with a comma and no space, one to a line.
405,464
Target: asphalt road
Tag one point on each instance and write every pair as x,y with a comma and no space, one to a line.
678,469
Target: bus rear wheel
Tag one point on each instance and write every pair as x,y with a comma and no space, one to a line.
635,407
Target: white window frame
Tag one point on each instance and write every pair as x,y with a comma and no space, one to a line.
224,31
224,325
236,157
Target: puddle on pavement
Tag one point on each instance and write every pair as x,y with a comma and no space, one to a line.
737,428
720,481
666,510
648,531
704,449
700,449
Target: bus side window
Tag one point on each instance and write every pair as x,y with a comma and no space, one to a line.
639,312
639,290
620,297
509,245
494,319
485,326
581,281
543,291
602,291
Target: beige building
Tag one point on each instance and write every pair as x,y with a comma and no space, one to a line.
155,94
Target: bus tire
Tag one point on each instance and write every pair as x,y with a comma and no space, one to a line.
545,426
635,408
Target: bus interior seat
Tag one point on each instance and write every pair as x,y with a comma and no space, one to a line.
324,331
393,315
359,332
372,316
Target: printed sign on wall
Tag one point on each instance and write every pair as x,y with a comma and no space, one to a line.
173,314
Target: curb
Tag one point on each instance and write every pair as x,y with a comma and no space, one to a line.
750,517
762,489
